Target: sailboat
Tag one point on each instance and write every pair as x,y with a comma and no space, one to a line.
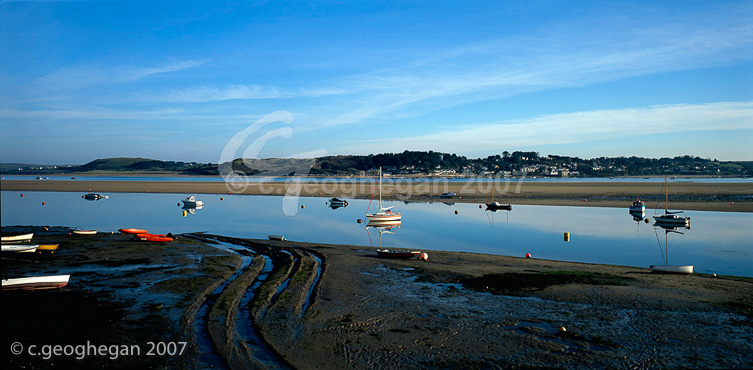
384,214
493,206
666,268
671,218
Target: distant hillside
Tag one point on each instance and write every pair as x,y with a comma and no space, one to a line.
411,163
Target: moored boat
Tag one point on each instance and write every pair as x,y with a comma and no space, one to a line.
496,206
670,269
386,253
94,196
637,207
384,214
447,195
192,202
47,248
337,202
671,218
133,231
36,282
17,238
84,232
16,248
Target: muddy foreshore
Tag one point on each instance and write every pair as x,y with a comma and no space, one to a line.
339,306
724,197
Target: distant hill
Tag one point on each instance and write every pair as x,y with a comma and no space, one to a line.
410,163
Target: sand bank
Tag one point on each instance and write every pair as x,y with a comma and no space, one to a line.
727,197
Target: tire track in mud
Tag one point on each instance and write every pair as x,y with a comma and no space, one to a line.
262,308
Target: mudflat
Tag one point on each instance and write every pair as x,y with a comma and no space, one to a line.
339,306
726,197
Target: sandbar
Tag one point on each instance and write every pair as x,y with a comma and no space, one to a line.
724,197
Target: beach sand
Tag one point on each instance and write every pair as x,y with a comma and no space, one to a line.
339,306
725,197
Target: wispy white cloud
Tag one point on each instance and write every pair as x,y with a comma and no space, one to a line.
205,94
571,128
70,79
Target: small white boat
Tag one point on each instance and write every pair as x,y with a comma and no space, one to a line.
669,269
84,232
17,238
192,202
36,282
15,248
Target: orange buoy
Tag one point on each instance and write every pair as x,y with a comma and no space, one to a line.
303,206
43,203
480,206
221,199
456,211
528,255
22,195
423,256
358,221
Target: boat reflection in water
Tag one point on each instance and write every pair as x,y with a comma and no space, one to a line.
666,268
386,227
491,212
191,210
639,216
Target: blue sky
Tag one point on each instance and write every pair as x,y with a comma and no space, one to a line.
200,81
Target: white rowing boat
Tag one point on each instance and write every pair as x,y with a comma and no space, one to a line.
17,238
36,282
670,269
25,248
84,232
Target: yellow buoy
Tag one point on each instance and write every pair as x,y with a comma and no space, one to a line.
185,213
567,237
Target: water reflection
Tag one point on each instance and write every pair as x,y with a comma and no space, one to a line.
720,241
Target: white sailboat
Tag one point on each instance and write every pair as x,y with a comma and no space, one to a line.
671,218
384,214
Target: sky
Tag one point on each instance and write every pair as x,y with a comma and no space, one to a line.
207,81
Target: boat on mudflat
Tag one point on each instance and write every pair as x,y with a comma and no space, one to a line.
17,238
47,248
133,231
15,248
670,269
386,253
36,282
84,232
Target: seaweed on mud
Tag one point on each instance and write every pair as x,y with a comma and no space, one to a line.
519,283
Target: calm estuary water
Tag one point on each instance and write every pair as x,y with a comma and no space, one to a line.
718,242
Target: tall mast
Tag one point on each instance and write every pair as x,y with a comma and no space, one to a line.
666,194
380,189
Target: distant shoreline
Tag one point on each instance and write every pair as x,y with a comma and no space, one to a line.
724,197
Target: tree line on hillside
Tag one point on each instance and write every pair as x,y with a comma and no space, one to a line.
518,163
